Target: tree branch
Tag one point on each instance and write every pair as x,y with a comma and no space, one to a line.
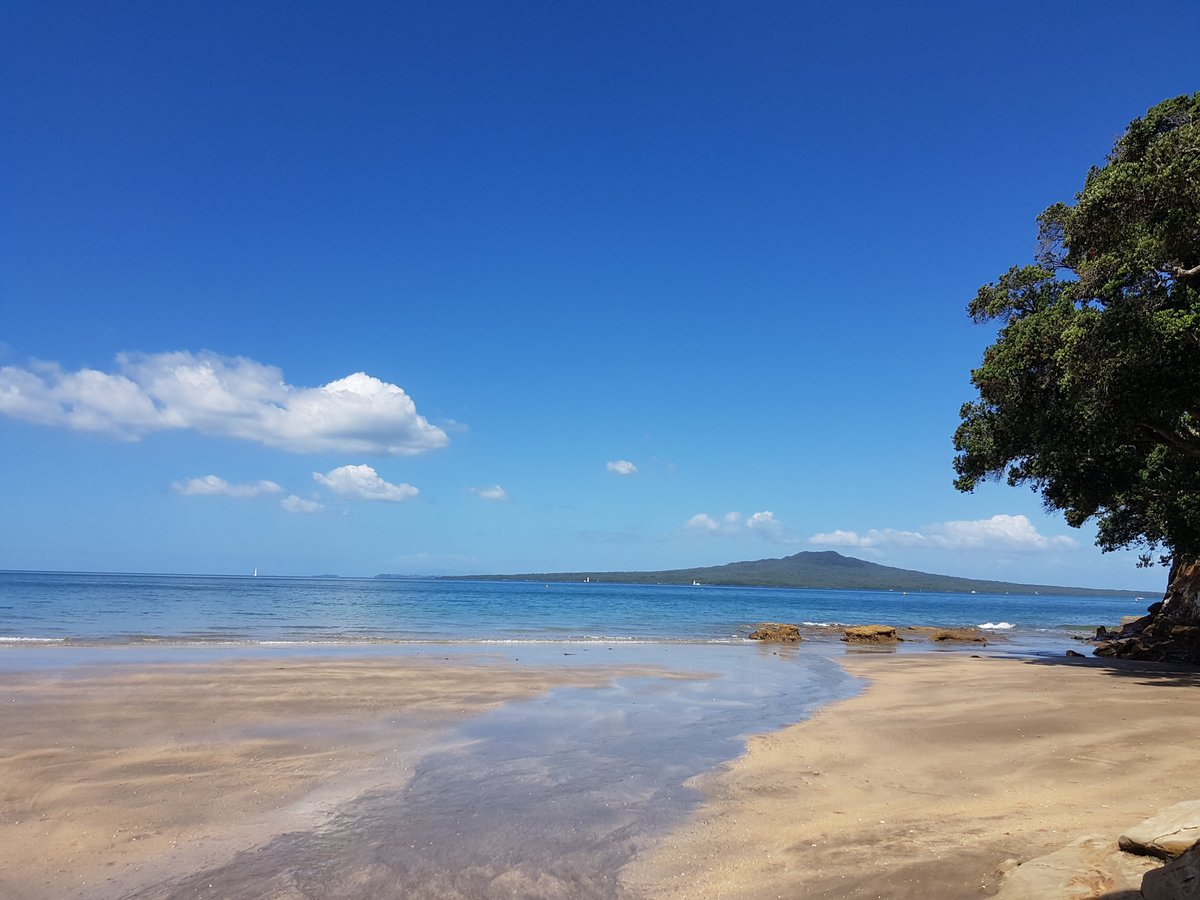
1172,440
1186,274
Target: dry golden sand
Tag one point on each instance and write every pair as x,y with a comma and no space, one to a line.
116,776
922,786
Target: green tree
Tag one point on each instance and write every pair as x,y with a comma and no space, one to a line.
1091,392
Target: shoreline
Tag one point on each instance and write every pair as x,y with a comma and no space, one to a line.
944,773
947,769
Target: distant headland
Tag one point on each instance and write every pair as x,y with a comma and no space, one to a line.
827,570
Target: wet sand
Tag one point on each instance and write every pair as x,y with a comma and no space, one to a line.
116,777
292,777
924,785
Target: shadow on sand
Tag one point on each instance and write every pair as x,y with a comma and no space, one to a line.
1148,673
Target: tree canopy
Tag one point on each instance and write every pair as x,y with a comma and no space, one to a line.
1091,392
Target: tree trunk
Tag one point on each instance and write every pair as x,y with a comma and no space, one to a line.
1181,603
1171,630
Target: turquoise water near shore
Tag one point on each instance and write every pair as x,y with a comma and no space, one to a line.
105,609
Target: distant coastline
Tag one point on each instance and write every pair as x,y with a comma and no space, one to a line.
812,570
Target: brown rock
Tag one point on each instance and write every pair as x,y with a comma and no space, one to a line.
1136,626
871,634
1074,653
1124,648
1084,870
965,635
1167,834
1157,643
777,632
942,635
1177,880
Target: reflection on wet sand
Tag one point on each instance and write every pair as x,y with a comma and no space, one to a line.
545,798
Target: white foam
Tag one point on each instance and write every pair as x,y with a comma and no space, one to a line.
997,626
13,639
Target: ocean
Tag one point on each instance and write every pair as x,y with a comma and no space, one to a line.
108,609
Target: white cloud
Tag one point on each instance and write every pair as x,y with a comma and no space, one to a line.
763,521
886,537
494,493
212,485
761,524
701,522
999,533
293,504
364,483
622,467
220,396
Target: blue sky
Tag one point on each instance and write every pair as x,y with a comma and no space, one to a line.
484,287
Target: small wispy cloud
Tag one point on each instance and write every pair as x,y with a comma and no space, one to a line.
703,523
223,397
495,493
364,483
998,533
733,524
621,467
215,486
294,504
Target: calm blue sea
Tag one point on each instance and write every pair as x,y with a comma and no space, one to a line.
40,607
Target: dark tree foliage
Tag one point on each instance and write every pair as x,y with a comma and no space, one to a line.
1091,392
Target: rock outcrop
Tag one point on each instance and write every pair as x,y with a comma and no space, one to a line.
1177,880
959,635
776,632
1171,630
943,635
1087,869
1098,868
1166,835
871,634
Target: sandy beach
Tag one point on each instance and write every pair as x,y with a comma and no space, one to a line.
945,771
924,786
115,777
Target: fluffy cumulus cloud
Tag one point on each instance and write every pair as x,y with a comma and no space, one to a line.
214,486
732,524
703,523
621,467
364,483
495,493
293,504
220,396
999,533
